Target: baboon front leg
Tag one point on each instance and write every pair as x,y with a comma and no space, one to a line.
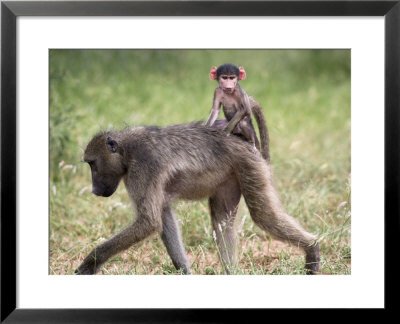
132,234
223,207
173,241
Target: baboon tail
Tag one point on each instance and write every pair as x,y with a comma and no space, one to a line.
259,116
265,207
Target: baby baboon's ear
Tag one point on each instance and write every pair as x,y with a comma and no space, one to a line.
112,144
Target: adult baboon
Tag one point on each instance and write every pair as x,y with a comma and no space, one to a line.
189,161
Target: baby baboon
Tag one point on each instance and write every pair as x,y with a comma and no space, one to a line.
159,165
237,106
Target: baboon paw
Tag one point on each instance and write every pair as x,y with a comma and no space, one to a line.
255,151
312,269
312,259
86,269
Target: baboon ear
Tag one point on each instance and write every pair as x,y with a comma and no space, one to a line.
213,73
242,73
112,144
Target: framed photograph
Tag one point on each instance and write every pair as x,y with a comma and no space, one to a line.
326,76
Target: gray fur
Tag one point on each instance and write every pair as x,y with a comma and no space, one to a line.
173,242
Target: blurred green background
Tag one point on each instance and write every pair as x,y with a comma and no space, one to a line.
305,95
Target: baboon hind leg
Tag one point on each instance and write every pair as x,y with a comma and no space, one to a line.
223,207
285,228
247,130
273,218
173,241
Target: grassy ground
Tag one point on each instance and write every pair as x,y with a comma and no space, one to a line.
305,96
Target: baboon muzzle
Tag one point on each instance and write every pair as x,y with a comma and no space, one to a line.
102,193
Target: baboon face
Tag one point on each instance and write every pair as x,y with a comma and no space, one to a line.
104,156
227,76
228,82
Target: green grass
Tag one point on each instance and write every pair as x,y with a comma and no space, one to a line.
305,95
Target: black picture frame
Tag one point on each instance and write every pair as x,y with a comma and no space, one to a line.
11,10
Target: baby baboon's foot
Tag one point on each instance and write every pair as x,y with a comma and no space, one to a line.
255,151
